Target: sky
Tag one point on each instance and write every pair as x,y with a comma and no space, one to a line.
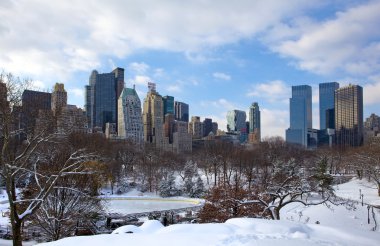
214,55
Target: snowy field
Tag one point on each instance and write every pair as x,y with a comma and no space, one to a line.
231,233
299,225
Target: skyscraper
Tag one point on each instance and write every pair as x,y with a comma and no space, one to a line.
254,120
153,121
236,120
349,115
102,94
32,103
195,127
207,126
300,115
58,98
326,104
130,124
168,105
181,111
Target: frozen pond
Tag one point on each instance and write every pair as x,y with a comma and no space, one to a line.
141,205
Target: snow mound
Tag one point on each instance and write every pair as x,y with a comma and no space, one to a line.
151,226
127,229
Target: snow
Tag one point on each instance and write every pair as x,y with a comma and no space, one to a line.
355,187
128,205
239,231
298,226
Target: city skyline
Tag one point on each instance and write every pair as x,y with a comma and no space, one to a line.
215,58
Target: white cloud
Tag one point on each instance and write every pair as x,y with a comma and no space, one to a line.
77,92
140,80
222,76
371,93
53,42
174,88
274,122
139,68
348,43
272,91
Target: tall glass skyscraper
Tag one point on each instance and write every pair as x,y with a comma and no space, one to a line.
300,115
102,94
326,104
236,120
349,115
168,105
254,120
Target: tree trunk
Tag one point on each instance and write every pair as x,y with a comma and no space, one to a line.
378,189
16,233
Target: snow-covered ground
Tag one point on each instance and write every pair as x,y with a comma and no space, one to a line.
336,226
241,231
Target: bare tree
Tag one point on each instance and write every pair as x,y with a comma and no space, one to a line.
20,160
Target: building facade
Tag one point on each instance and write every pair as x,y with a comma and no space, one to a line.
153,111
168,105
32,103
254,122
349,115
101,97
300,115
181,111
58,98
130,124
326,104
195,127
236,120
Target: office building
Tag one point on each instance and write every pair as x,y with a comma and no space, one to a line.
58,98
153,111
236,121
182,140
349,115
207,126
32,103
130,124
195,127
254,122
326,104
168,105
101,97
300,115
181,111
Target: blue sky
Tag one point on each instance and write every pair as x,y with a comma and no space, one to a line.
213,55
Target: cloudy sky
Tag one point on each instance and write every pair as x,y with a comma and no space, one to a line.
214,55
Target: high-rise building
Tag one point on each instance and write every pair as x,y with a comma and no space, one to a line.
32,103
58,98
207,126
169,128
181,111
300,115
214,127
349,115
326,102
236,121
182,141
168,105
130,124
195,127
153,121
254,121
102,94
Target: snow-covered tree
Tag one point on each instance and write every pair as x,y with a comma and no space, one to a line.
20,160
168,188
